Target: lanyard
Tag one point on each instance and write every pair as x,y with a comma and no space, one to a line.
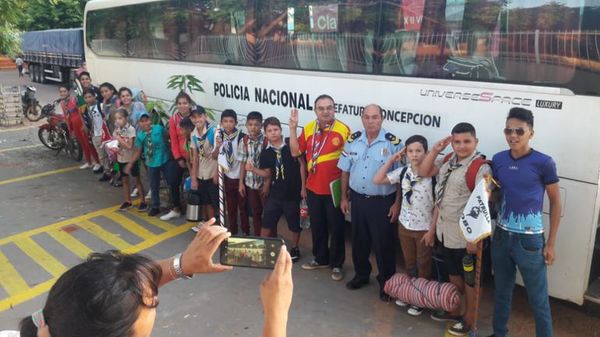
317,147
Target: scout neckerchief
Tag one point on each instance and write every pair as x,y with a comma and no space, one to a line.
123,131
256,144
319,144
228,146
201,141
279,169
412,179
149,145
453,162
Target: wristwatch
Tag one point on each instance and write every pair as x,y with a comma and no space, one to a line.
177,267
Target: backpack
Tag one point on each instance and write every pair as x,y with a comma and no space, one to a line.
403,173
473,169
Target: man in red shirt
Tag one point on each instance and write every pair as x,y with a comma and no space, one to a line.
322,141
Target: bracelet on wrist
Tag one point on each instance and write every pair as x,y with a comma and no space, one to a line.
177,267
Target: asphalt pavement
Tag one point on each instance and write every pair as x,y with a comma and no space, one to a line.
52,214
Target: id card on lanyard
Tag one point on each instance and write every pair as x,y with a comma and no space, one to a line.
318,145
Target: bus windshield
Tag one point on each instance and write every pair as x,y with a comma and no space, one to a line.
535,42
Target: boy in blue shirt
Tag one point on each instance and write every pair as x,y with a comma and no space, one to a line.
152,139
524,174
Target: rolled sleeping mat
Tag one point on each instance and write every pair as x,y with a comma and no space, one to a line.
423,293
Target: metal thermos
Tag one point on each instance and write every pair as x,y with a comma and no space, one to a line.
192,212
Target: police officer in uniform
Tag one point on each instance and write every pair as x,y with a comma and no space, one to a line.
375,208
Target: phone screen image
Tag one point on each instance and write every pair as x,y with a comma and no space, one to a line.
250,252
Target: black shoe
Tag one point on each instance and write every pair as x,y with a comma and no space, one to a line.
295,254
105,177
385,297
125,206
154,212
356,283
143,207
98,171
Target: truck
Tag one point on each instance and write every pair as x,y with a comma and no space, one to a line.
53,54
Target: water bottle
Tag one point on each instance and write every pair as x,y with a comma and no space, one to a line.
469,270
304,218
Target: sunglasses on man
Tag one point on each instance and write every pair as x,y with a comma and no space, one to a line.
518,131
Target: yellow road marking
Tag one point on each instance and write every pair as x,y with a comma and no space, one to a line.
20,148
68,241
103,234
57,225
152,220
41,256
11,281
38,175
45,286
130,225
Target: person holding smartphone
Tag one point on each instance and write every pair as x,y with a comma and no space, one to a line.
116,294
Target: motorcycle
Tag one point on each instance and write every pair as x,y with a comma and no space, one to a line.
31,106
55,135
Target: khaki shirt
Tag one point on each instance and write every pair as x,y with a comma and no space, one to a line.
454,200
203,147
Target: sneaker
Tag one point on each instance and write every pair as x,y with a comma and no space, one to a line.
125,206
443,316
154,212
148,195
459,329
314,265
414,310
85,166
401,304
337,274
171,215
134,194
295,253
105,177
143,207
97,169
356,283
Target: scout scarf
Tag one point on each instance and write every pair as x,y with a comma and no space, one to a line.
279,169
149,145
201,141
228,146
411,180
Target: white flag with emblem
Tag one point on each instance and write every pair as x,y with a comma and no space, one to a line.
475,222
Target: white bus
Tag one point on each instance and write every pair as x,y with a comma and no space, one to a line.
429,63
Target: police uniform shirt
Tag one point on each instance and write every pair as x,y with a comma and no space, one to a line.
363,160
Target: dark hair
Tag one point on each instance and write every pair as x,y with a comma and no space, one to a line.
417,139
109,86
84,73
255,115
125,89
64,85
122,111
199,110
100,297
181,95
324,96
271,121
464,128
521,114
186,123
89,91
229,113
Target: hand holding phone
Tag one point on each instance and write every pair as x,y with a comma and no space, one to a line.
252,252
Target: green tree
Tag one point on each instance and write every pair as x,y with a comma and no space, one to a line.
46,15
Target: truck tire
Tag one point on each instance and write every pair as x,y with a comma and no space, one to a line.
31,69
42,75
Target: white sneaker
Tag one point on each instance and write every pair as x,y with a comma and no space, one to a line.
134,194
401,304
149,195
85,166
97,167
171,215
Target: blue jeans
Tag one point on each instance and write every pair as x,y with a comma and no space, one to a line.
525,251
172,173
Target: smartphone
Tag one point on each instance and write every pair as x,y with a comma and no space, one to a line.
253,252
